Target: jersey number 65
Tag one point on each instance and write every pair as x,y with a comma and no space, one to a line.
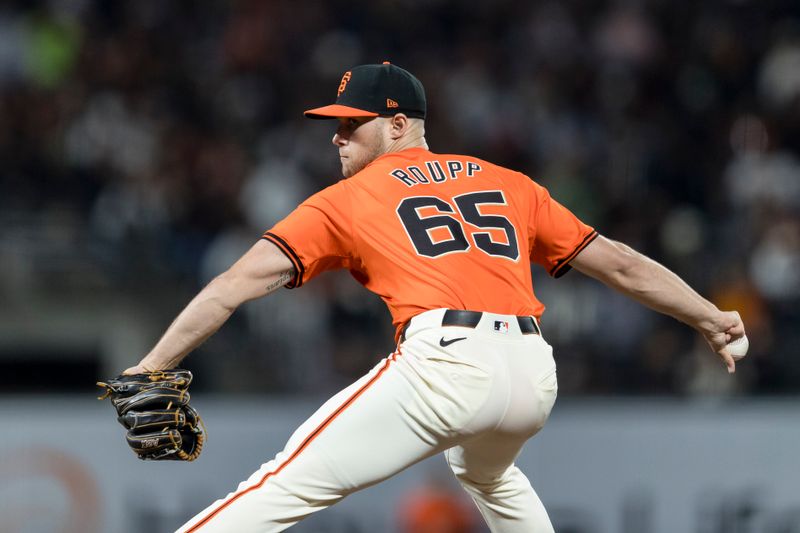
419,228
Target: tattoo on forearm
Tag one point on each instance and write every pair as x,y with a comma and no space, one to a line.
284,278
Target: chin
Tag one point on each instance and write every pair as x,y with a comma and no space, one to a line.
351,170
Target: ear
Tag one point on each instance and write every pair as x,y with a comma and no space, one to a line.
398,126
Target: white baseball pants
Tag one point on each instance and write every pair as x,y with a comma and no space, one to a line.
477,399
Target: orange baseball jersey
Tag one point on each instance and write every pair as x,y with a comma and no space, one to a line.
426,231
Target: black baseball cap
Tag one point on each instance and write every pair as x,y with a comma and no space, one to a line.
373,90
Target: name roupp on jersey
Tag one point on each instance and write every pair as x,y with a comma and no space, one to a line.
435,172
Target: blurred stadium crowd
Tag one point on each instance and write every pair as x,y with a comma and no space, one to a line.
146,144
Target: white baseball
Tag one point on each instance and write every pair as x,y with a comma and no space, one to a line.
738,348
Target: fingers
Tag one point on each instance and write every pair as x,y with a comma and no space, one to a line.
735,326
727,360
733,329
735,332
732,335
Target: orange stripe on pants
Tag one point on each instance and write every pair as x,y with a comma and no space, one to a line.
313,435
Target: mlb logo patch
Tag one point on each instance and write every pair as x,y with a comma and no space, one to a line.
501,326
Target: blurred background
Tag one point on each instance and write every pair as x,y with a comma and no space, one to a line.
146,144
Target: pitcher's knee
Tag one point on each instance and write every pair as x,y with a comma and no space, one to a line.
489,483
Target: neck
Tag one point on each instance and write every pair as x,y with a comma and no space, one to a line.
410,133
406,142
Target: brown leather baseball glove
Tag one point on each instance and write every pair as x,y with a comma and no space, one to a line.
154,407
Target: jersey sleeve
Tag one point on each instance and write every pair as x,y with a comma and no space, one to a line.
317,235
556,235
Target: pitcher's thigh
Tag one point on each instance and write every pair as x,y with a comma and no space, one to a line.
363,437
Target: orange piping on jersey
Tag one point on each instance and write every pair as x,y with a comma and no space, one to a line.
562,267
284,247
314,434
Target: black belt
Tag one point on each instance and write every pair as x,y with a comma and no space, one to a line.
470,319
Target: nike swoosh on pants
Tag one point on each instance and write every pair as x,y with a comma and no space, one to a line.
448,342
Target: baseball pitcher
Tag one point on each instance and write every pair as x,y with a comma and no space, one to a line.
446,241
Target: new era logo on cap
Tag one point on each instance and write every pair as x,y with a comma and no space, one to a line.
373,90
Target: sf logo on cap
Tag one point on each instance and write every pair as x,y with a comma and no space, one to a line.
343,83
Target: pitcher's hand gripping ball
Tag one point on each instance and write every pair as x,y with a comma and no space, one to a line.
154,407
738,348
